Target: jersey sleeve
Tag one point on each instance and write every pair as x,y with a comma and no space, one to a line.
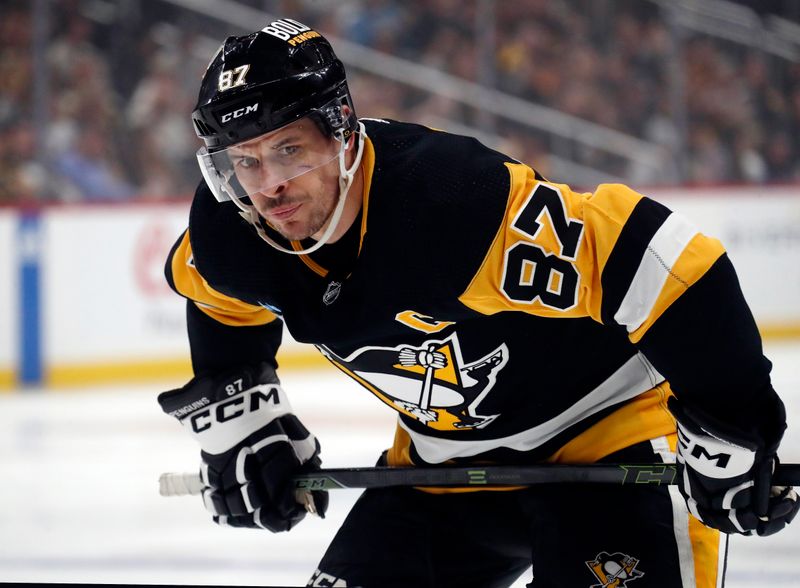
223,331
633,265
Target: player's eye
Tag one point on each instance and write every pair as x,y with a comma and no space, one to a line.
245,162
289,150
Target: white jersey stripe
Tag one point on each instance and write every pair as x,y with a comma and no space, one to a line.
680,519
635,376
680,523
722,559
656,266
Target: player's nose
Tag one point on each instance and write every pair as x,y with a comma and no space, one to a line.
275,190
272,182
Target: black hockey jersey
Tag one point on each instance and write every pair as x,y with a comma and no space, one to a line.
504,317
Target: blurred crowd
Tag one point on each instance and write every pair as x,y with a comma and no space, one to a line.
102,113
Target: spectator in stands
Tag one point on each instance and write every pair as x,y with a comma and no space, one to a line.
608,62
156,114
87,168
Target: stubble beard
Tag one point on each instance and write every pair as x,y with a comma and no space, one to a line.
319,214
319,209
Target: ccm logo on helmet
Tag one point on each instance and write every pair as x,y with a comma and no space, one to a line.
233,408
227,117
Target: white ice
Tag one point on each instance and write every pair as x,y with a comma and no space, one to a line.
79,496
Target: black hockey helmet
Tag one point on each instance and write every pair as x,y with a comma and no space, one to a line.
260,82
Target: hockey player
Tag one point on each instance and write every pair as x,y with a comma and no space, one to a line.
506,318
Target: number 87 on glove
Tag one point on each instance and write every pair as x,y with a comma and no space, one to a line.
251,447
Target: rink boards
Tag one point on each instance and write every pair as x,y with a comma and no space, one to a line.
83,298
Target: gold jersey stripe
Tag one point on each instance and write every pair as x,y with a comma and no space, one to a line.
695,260
224,309
643,418
707,544
605,213
310,263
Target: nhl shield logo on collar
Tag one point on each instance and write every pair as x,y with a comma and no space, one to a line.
331,293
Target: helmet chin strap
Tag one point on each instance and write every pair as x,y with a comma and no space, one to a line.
346,175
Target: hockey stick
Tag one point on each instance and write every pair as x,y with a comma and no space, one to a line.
475,476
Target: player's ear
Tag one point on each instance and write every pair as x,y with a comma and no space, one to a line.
346,112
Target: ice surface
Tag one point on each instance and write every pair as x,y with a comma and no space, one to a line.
80,502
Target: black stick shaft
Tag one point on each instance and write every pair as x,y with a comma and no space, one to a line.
481,476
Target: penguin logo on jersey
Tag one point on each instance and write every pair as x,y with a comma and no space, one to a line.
614,570
430,382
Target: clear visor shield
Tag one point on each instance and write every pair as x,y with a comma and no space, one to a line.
260,164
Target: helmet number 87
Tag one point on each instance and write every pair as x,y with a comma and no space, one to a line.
232,78
530,272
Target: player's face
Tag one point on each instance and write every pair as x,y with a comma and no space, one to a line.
292,176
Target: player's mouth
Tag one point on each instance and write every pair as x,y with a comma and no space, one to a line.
284,212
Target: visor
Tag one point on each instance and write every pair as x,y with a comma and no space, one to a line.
260,164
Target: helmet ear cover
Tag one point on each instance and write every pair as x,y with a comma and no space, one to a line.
330,118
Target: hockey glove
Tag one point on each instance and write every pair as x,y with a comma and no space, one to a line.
726,477
251,446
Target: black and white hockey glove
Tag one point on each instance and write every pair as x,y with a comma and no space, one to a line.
726,477
251,444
